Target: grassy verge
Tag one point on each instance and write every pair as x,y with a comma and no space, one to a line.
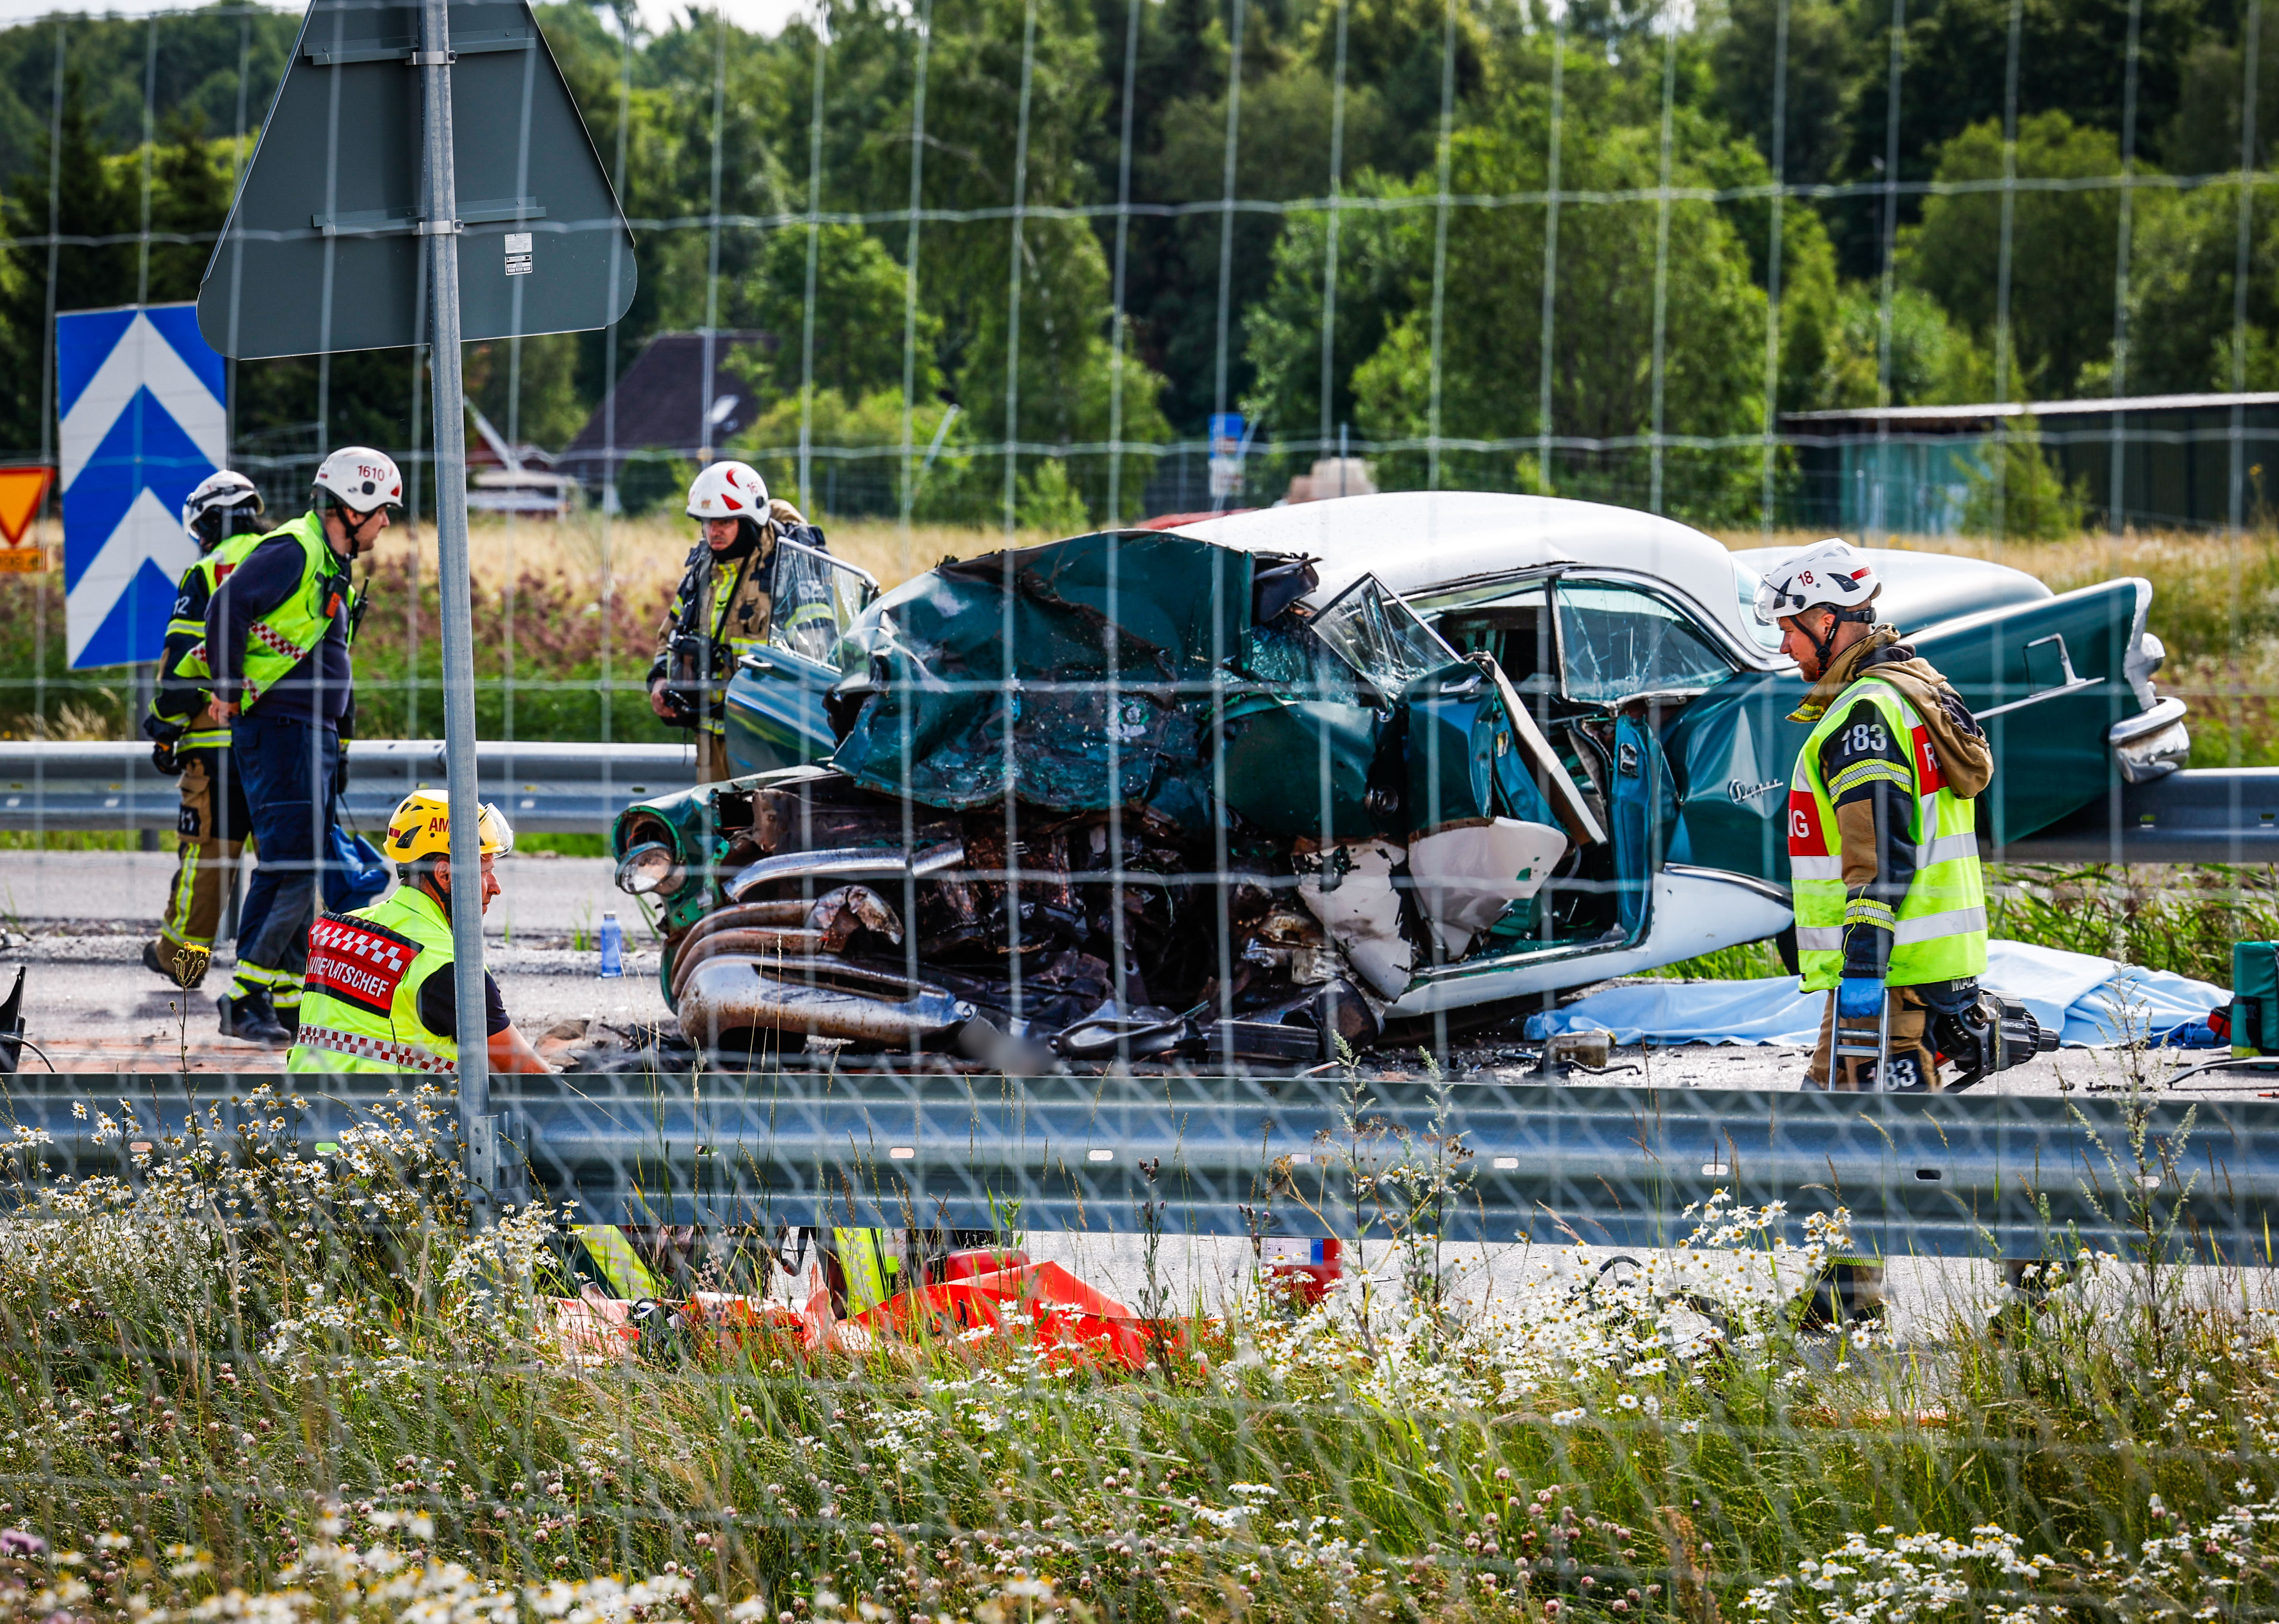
310,1382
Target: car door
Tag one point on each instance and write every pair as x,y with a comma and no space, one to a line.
775,699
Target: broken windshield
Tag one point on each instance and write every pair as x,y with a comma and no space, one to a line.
1381,637
817,599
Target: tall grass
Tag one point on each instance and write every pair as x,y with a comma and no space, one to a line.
239,1368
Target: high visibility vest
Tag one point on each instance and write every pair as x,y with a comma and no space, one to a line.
281,640
864,1266
207,574
1939,932
360,999
614,1255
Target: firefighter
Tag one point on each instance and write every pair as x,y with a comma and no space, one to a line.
190,740
728,601
1890,909
277,632
380,994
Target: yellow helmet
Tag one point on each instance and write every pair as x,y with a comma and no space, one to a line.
421,827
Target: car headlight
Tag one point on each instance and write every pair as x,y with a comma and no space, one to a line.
650,868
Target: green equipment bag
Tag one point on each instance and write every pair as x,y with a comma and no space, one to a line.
2254,999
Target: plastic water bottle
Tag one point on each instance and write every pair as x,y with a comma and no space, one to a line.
613,945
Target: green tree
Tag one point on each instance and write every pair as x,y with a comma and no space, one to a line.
1824,55
1049,377
2182,278
2063,245
528,388
2073,58
2204,136
1606,386
1283,330
1282,154
858,312
1932,362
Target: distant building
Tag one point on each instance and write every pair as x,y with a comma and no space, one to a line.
679,401
2188,462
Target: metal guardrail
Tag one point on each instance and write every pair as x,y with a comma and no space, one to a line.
553,788
2210,815
2214,814
1955,1176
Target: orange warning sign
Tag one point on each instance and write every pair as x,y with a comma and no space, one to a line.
22,490
23,560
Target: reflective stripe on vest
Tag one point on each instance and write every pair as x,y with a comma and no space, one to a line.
1938,931
391,1055
360,1003
205,574
863,1266
281,640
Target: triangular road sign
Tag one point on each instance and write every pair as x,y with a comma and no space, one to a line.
323,247
22,490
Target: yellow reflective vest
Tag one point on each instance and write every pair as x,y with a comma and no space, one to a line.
280,640
360,999
186,634
1938,931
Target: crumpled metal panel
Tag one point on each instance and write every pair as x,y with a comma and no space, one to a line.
1067,676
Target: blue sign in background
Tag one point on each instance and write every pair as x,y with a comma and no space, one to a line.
141,398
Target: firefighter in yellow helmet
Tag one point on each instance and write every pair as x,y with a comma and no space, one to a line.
379,994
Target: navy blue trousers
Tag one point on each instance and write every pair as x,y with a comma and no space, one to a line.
287,765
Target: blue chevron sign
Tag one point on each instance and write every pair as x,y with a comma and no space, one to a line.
141,396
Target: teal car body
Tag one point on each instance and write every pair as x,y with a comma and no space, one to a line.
1503,664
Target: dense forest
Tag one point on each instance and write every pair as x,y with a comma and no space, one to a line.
1497,242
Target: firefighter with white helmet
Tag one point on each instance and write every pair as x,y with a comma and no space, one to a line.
382,991
277,637
1891,910
190,740
726,605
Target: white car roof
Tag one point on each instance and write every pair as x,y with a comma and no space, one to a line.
1417,542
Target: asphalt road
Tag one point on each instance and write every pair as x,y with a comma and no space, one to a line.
77,921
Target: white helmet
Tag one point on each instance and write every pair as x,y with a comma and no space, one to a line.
216,494
1833,574
361,479
729,490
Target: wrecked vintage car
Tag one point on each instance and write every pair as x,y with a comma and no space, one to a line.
1250,786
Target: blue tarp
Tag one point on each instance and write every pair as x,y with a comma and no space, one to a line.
2095,1002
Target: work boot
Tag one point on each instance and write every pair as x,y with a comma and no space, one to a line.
288,1016
253,1018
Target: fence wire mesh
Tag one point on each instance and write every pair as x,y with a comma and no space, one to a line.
1014,1182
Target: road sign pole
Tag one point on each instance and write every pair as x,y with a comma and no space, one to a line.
441,228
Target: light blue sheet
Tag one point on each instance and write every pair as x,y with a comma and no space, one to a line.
2094,1002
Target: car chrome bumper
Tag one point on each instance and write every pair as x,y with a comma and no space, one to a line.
2150,744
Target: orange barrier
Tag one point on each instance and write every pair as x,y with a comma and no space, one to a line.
1041,1302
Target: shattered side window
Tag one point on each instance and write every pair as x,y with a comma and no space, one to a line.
817,599
1287,656
1615,641
1381,637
